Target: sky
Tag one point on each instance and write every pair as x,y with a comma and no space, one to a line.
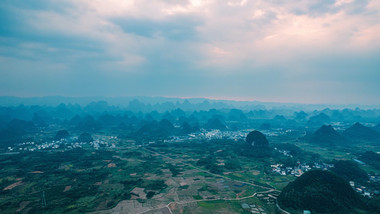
303,51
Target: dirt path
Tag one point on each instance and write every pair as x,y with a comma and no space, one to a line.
13,185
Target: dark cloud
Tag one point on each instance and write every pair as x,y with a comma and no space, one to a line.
16,30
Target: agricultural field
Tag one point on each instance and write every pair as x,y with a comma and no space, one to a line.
133,178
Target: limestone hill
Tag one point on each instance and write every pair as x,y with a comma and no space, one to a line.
320,192
360,132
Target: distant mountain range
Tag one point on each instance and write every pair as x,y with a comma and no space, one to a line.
200,103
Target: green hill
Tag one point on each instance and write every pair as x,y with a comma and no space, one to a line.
215,123
61,134
371,158
16,132
257,139
358,131
349,170
377,127
154,129
327,135
85,138
320,192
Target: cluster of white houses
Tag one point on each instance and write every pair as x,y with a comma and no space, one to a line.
63,144
215,134
300,169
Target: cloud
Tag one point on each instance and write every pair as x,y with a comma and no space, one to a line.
194,48
176,28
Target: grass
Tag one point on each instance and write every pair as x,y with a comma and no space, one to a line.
280,181
197,197
183,187
222,206
326,152
213,205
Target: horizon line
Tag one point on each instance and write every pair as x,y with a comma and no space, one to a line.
228,99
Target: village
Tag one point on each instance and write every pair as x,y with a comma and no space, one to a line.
65,144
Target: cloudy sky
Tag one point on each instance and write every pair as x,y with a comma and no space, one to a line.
305,51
